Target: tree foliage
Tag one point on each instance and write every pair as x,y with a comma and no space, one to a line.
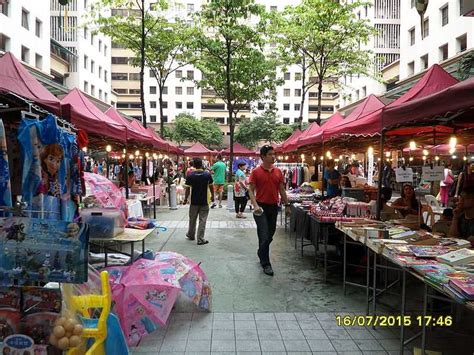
164,46
329,35
188,129
229,53
281,133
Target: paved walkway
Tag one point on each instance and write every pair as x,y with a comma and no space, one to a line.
292,312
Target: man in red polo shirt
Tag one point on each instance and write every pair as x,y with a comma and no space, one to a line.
266,182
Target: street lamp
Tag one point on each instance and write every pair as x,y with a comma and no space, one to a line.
108,149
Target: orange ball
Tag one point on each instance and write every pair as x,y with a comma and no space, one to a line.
59,331
53,340
60,321
74,341
78,329
69,325
63,343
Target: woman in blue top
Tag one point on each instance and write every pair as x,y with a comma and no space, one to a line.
332,178
240,190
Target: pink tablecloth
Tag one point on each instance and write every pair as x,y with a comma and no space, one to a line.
148,190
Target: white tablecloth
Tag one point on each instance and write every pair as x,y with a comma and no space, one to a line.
134,208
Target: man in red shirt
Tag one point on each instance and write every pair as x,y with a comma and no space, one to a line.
266,182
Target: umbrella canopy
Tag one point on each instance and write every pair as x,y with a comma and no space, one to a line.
198,149
85,115
192,279
133,134
106,193
15,78
144,294
239,150
434,80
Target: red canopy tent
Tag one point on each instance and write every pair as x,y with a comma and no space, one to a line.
310,131
16,79
239,150
284,147
317,137
434,80
85,115
158,143
198,150
133,134
452,100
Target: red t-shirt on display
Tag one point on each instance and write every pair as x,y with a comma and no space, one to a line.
267,184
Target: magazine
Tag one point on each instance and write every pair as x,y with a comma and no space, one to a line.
458,257
431,251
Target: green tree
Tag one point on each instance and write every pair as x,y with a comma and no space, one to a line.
212,136
327,35
157,42
230,55
262,127
281,133
187,129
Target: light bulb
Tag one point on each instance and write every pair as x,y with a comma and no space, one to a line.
452,150
302,156
412,145
131,157
108,148
84,149
286,158
411,159
336,160
340,157
147,154
424,157
353,156
160,156
370,151
436,158
454,157
137,153
124,151
453,141
388,154
464,158
328,154
314,158
321,158
123,155
425,152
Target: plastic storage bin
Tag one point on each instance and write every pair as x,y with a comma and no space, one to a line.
103,222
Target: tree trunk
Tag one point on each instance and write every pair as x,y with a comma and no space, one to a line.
142,64
160,101
303,79
230,108
320,92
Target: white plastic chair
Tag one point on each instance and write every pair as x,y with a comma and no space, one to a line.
434,204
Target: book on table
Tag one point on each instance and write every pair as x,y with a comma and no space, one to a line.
431,251
457,257
464,287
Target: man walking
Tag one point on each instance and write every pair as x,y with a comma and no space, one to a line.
266,182
219,169
198,183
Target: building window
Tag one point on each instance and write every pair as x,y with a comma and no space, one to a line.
424,62
190,75
105,50
164,104
461,7
92,66
190,8
297,76
178,90
92,38
25,21
297,92
179,105
153,118
364,91
412,4
4,8
261,106
366,10
100,94
461,43
152,90
287,76
357,95
106,76
286,92
121,91
286,107
100,72
25,54
86,61
190,90
38,28
443,52
165,90
86,86
178,74
286,120
119,60
38,61
444,16
190,105
426,28
411,68
134,91
297,107
106,97
152,104
100,45
119,76
93,90
151,73
134,76
411,33
4,43
164,119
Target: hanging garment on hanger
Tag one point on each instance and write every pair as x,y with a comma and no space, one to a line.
5,185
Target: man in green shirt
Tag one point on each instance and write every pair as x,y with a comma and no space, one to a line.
218,169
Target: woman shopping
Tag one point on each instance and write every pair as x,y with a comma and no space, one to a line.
407,204
240,190
445,185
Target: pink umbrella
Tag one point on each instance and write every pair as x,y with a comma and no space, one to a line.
108,195
144,294
192,279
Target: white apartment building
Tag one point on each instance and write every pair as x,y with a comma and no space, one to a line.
384,15
25,31
91,71
446,34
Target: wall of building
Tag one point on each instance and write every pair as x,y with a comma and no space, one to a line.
34,41
440,34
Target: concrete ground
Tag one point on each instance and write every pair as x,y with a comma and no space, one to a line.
293,311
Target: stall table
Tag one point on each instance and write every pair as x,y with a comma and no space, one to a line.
148,190
128,236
